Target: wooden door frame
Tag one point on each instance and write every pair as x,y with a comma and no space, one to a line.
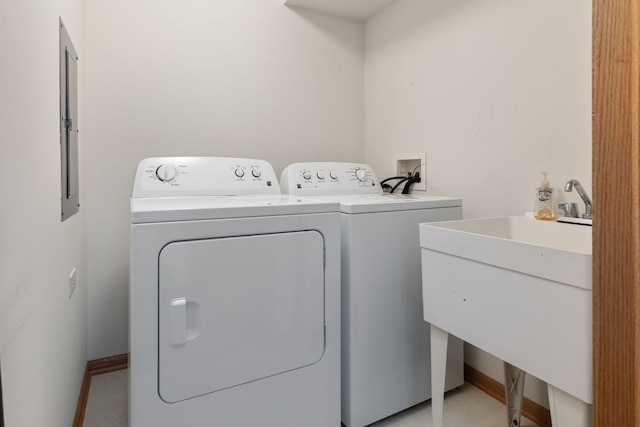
616,228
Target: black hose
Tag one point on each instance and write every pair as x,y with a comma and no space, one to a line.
400,182
407,187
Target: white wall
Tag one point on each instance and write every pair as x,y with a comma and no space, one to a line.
494,92
239,78
43,337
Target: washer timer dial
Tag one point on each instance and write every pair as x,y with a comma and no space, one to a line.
166,173
362,175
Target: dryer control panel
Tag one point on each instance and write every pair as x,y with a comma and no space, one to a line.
318,178
204,176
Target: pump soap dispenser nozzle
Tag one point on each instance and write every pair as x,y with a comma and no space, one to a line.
545,180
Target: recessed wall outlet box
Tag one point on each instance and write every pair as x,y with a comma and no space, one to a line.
72,282
409,163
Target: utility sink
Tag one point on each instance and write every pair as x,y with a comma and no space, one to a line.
517,288
547,249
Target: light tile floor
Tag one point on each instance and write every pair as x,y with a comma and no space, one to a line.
466,406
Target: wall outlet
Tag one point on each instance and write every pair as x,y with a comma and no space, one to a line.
72,281
408,163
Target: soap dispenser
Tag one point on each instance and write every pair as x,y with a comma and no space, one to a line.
544,201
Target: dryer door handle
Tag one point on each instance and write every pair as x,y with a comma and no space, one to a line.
178,322
184,322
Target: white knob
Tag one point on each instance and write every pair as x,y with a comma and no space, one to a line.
166,173
306,175
362,175
320,175
333,175
239,173
256,173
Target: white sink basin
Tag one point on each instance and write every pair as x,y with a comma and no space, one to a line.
517,288
554,251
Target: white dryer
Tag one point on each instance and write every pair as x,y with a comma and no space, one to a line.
234,298
385,341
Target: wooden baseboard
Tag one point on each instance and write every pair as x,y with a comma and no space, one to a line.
536,413
108,364
96,367
82,399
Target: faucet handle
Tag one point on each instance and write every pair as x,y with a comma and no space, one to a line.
569,209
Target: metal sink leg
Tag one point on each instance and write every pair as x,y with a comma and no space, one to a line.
514,390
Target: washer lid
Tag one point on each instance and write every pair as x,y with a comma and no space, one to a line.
365,203
164,209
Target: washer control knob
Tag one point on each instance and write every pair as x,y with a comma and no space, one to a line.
166,173
239,172
306,175
320,175
256,172
362,175
333,175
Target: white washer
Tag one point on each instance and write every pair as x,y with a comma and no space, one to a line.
385,341
234,298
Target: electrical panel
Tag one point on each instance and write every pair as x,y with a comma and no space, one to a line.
1,404
68,125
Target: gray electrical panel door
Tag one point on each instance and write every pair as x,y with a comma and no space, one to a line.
68,125
1,404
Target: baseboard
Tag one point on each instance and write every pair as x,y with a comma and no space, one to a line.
108,364
535,412
96,367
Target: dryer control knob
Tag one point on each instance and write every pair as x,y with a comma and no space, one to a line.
166,173
256,173
306,175
333,175
239,173
362,175
320,175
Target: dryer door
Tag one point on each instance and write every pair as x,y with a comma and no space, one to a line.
238,309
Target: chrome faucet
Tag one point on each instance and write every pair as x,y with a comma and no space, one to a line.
583,195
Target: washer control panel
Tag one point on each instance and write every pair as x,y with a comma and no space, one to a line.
318,178
203,176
